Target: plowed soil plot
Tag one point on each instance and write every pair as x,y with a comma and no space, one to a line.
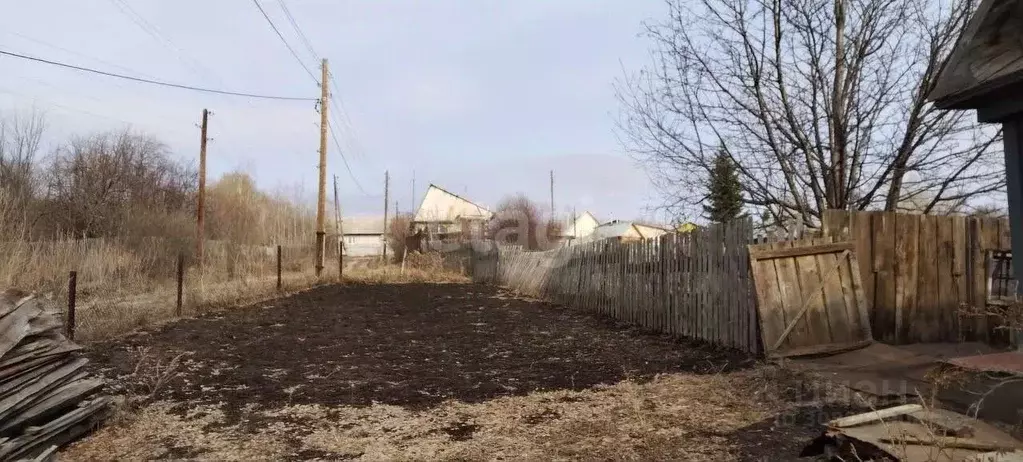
423,371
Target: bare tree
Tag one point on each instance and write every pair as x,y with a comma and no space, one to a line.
20,141
520,221
821,104
399,231
98,185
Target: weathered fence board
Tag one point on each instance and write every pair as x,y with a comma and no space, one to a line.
806,306
922,274
695,285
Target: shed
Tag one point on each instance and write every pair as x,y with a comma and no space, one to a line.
364,236
984,72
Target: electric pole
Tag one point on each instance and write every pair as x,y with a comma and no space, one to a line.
321,200
340,233
387,184
413,190
575,227
200,209
552,194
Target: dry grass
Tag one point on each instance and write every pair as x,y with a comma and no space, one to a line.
673,417
128,286
428,267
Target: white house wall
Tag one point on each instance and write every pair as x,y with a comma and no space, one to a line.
583,226
364,245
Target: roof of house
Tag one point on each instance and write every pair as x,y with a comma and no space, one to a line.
615,229
440,204
363,225
987,57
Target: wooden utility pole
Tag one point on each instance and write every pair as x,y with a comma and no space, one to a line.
322,199
575,226
387,184
413,190
340,233
200,208
552,194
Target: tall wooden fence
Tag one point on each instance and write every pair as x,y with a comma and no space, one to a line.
922,273
695,285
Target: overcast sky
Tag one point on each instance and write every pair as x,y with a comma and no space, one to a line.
481,97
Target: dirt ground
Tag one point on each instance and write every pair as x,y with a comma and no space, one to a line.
439,372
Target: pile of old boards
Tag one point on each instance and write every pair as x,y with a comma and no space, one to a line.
914,433
47,399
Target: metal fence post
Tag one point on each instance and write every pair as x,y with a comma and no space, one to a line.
181,283
72,288
279,268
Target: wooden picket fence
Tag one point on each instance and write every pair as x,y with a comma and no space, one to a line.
919,274
695,285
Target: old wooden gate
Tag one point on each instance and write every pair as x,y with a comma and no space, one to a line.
810,297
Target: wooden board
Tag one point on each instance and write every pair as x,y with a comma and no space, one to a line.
803,299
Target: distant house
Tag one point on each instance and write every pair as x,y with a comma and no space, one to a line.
649,230
445,216
578,227
364,236
625,231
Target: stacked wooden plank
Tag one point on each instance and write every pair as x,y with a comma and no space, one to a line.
47,399
914,433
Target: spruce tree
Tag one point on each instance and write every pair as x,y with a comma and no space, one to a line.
724,192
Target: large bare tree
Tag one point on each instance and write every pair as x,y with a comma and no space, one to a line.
821,104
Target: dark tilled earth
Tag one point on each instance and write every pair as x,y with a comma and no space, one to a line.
413,345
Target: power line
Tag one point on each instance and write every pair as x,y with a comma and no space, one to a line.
301,35
340,152
339,107
155,33
153,82
82,55
281,36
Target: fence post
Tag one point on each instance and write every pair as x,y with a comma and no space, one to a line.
72,288
278,268
181,283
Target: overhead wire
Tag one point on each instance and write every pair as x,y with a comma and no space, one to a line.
332,125
301,35
338,105
286,44
151,81
82,55
154,32
340,152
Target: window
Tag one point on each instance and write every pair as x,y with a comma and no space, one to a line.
1001,284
